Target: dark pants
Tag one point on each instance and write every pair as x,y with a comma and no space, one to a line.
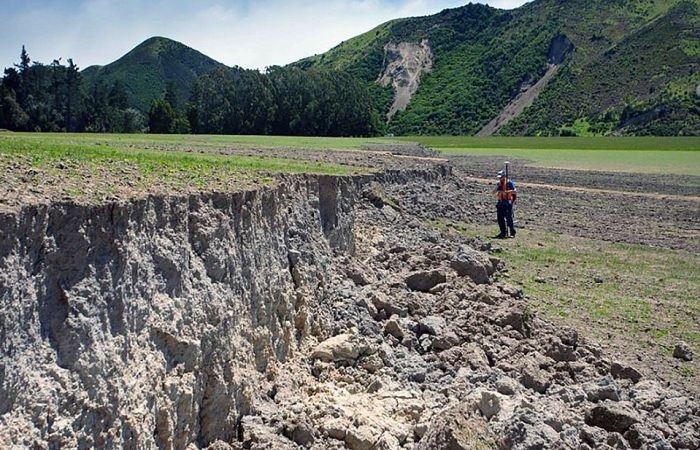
504,210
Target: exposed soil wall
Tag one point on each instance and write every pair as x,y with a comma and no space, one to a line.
147,323
309,314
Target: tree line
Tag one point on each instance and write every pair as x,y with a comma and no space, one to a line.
280,101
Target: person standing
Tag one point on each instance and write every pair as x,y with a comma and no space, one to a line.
506,194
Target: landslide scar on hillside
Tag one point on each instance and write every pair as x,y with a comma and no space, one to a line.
404,63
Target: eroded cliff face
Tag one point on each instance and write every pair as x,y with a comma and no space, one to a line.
151,323
404,64
319,313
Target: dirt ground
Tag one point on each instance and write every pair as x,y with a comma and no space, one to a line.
655,211
420,331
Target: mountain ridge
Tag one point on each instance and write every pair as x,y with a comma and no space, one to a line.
146,70
626,67
483,56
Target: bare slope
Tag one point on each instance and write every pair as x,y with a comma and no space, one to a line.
632,71
404,65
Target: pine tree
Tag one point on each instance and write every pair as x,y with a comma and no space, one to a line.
161,117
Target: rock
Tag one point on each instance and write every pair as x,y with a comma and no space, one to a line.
527,431
507,386
683,351
613,417
359,274
687,437
387,442
603,389
571,394
642,436
337,348
418,376
620,371
535,379
559,351
432,325
647,395
569,436
446,341
393,328
255,433
593,436
569,336
489,404
677,410
361,438
382,302
453,430
336,428
616,441
424,281
301,433
474,264
514,318
372,363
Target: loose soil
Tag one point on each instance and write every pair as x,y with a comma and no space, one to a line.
598,208
408,334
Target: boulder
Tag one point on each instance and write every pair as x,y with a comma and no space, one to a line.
474,264
361,438
425,280
612,417
432,325
446,341
507,386
338,348
452,429
536,379
393,328
602,389
515,318
336,428
683,351
489,404
382,302
620,371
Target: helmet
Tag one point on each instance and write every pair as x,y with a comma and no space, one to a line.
501,173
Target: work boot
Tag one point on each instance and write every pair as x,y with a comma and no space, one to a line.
512,232
500,236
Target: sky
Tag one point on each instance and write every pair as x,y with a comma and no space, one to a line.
247,33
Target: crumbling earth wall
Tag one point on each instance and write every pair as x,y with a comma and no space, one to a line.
147,323
312,314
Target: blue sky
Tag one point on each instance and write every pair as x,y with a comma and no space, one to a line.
251,34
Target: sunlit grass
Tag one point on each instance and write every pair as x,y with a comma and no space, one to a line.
648,293
670,155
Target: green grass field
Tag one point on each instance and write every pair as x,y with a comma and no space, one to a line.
46,151
643,295
94,168
199,141
674,155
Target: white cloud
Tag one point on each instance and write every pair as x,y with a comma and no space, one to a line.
251,34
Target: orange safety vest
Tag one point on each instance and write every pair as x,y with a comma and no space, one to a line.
502,194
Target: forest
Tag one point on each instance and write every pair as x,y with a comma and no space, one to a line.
280,101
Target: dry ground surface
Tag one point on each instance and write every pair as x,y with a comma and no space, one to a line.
607,258
614,255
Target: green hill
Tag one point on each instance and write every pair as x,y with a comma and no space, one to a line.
149,67
622,66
